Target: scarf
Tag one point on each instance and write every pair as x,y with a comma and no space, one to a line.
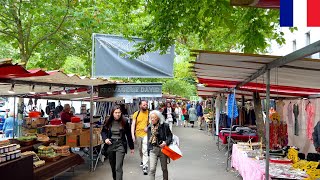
154,132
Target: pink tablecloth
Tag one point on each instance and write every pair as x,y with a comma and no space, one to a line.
248,168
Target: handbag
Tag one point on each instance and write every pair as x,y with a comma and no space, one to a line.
172,151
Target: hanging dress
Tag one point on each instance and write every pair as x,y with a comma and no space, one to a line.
310,118
296,123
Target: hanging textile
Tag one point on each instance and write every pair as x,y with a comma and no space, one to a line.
296,123
280,105
232,107
217,105
278,134
310,117
290,111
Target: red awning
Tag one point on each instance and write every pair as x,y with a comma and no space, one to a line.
9,71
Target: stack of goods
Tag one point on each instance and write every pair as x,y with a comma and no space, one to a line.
42,138
48,153
74,128
8,152
62,150
55,130
27,140
36,160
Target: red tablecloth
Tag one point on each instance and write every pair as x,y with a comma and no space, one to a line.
235,136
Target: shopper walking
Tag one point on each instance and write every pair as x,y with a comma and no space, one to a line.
8,125
116,134
192,115
200,115
169,115
140,121
178,112
159,135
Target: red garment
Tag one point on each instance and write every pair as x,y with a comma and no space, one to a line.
65,117
184,111
310,118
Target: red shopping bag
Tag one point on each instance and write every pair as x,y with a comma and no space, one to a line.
172,151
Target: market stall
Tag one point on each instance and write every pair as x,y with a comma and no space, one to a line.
37,130
295,79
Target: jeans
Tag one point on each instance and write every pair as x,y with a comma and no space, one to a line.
143,149
116,154
155,154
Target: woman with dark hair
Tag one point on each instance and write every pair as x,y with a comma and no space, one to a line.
117,135
169,115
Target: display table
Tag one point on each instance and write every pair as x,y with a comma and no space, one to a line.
52,169
252,169
248,168
224,136
21,168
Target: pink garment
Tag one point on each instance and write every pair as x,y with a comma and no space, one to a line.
290,114
310,118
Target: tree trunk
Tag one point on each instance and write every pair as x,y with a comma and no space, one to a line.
259,116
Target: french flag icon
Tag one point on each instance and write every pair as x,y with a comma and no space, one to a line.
300,13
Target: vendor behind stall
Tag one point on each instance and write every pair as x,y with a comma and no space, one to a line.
66,114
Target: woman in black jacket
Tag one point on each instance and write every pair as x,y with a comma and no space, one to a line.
116,134
159,135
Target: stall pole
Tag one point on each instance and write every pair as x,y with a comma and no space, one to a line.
267,124
91,129
14,117
91,107
231,124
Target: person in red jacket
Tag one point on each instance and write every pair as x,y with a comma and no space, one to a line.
66,114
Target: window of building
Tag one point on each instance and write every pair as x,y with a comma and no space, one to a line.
308,41
294,45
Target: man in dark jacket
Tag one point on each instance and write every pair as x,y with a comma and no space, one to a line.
200,115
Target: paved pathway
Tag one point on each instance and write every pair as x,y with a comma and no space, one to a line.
201,161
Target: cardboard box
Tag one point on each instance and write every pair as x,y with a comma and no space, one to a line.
55,130
71,125
85,138
72,140
60,140
74,131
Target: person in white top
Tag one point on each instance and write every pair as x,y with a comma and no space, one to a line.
168,113
178,112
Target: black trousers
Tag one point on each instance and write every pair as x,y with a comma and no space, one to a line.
116,155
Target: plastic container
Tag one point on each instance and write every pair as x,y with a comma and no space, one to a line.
11,148
75,119
6,149
55,122
34,114
3,158
1,150
12,155
18,153
8,156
